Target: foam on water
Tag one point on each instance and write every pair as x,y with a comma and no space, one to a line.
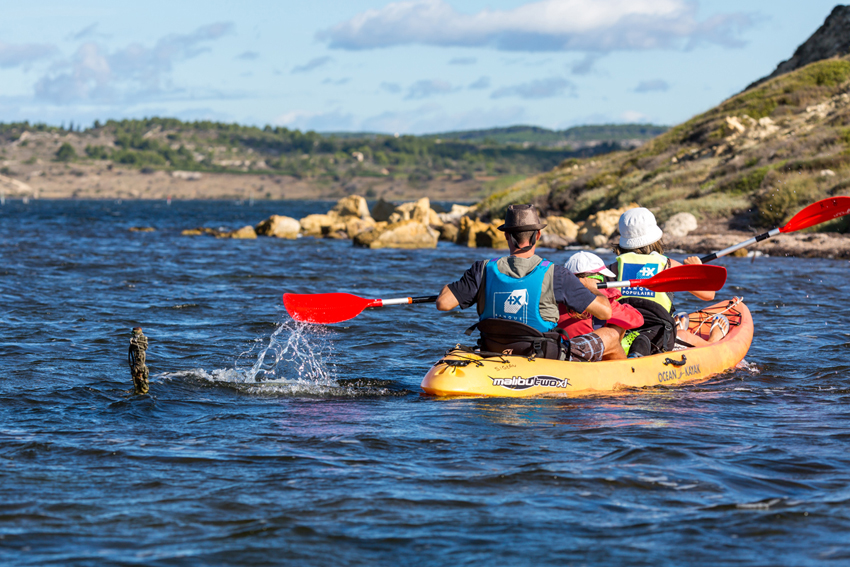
294,361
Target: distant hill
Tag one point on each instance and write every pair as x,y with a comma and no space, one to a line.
755,159
337,163
576,136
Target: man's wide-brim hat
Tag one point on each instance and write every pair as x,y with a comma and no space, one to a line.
522,218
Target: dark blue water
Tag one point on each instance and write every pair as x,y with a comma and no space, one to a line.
263,443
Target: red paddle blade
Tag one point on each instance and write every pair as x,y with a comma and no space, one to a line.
816,213
324,308
690,277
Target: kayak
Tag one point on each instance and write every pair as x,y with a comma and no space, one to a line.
462,372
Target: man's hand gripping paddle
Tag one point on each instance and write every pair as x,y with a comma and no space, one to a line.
816,213
327,308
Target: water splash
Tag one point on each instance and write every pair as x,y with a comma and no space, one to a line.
293,361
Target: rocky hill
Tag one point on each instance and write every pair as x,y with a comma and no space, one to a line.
832,39
755,159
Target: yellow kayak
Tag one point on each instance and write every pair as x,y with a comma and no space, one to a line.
464,373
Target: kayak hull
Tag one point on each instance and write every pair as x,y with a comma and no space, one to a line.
462,373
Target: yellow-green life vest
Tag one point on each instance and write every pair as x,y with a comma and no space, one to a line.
631,266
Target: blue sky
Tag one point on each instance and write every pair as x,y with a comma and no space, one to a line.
414,66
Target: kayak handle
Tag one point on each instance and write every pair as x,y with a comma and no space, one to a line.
682,362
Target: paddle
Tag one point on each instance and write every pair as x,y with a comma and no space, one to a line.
690,277
816,213
326,308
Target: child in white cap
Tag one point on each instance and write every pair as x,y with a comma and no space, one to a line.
640,255
590,270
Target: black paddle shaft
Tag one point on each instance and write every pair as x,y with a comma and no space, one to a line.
424,299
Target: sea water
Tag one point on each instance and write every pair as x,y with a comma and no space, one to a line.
267,442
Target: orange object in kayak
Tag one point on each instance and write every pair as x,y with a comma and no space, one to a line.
464,373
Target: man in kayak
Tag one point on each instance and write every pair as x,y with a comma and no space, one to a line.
517,297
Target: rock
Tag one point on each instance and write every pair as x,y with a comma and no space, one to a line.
200,231
830,40
141,229
467,229
561,227
354,205
382,210
312,225
491,237
279,226
419,211
598,228
679,225
827,173
740,253
187,175
403,234
13,186
448,232
549,240
434,219
354,226
455,214
244,233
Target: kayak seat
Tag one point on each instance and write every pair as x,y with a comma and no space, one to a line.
658,332
513,338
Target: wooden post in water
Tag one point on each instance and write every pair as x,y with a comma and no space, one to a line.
138,369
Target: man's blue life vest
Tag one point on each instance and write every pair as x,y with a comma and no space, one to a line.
515,299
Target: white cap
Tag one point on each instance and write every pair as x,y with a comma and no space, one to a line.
587,263
638,229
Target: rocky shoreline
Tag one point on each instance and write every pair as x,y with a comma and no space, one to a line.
417,224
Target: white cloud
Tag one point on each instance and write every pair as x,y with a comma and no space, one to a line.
432,118
248,55
634,116
427,88
537,89
132,73
652,86
12,55
546,25
332,121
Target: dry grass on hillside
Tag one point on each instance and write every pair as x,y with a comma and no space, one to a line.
757,158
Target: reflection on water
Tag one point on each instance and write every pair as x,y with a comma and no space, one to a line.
265,442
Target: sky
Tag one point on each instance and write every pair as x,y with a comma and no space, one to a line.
408,67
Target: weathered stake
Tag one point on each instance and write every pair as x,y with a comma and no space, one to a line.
138,370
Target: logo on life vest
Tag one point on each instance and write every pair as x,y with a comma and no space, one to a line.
516,301
512,305
638,272
520,383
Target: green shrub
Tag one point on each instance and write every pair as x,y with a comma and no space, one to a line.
748,182
66,152
97,152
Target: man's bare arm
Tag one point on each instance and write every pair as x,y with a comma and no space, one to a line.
600,308
447,300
